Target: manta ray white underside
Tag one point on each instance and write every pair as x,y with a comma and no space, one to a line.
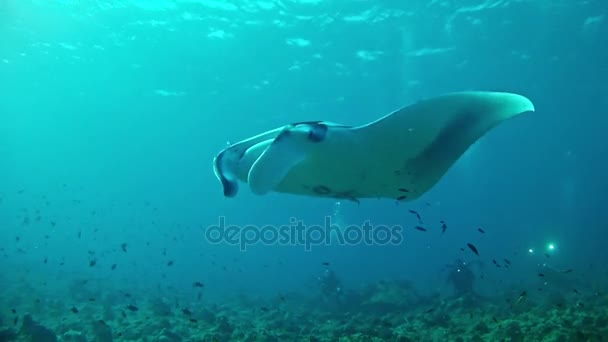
399,156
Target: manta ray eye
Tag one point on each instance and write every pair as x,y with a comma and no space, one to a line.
317,132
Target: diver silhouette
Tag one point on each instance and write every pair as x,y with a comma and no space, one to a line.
330,287
462,278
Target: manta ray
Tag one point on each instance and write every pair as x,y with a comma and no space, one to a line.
399,156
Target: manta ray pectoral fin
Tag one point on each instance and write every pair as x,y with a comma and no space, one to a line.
287,150
448,125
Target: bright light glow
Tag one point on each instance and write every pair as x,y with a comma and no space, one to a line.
530,251
551,246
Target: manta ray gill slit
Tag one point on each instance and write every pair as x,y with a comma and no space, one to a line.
321,190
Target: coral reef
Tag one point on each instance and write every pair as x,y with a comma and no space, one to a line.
383,311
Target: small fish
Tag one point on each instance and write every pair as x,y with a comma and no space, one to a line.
462,249
14,311
494,261
473,248
91,299
46,260
192,320
170,263
187,312
541,275
123,313
443,227
575,291
422,229
114,267
547,255
403,190
198,284
507,261
325,263
265,309
132,307
123,246
481,230
74,309
430,310
79,234
15,320
567,271
416,213
92,263
522,297
401,198
494,319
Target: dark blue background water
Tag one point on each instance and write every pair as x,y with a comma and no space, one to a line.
111,113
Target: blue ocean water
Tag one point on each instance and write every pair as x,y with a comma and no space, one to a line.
111,113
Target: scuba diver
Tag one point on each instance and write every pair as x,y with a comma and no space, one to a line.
330,287
461,277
